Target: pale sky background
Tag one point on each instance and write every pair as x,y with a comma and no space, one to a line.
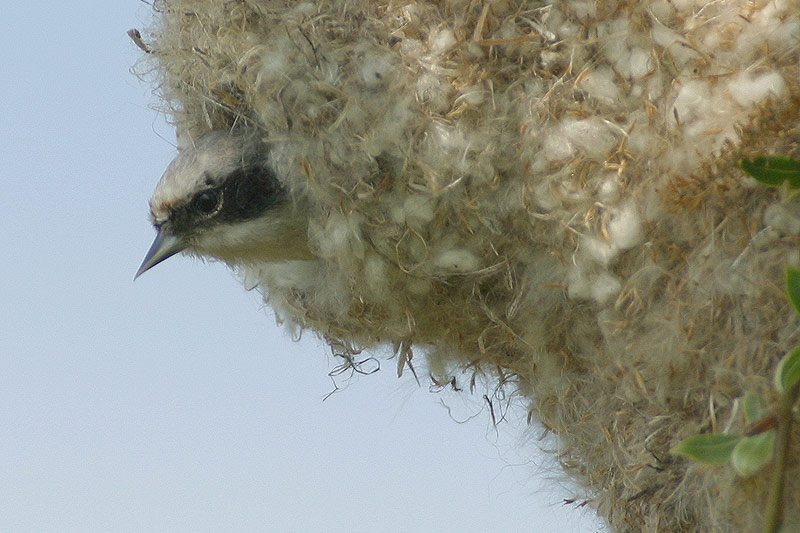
176,403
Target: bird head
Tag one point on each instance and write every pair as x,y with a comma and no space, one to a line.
221,198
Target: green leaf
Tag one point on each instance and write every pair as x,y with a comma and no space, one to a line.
787,374
751,454
773,170
754,408
793,287
711,449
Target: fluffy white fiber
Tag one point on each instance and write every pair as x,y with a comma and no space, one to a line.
545,193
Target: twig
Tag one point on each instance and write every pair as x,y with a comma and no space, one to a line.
775,503
136,37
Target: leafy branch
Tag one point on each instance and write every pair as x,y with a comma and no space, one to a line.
767,437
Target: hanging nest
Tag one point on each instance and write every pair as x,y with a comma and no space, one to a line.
543,194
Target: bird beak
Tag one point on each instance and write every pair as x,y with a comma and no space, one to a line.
164,247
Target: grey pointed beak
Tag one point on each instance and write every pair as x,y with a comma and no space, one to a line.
163,247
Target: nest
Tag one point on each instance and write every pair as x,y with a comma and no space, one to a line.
545,194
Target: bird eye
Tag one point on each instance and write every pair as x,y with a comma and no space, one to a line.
206,202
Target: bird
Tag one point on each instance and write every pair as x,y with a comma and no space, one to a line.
222,198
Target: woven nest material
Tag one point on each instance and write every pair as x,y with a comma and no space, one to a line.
542,193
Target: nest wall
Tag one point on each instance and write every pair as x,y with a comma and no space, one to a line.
544,193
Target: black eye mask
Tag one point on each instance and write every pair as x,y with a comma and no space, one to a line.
245,194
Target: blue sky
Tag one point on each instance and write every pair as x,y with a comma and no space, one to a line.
176,403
